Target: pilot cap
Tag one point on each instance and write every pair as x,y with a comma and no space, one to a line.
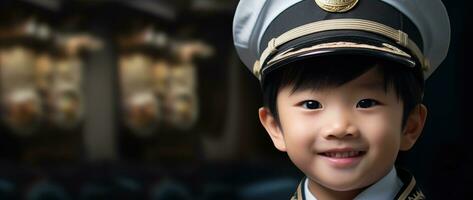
269,34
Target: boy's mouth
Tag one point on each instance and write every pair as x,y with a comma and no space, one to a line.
343,158
343,154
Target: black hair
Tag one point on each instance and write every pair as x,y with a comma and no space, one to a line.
334,71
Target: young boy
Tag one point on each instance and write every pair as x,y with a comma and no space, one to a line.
342,84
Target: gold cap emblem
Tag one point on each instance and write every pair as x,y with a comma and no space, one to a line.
336,5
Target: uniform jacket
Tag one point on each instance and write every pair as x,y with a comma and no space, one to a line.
409,191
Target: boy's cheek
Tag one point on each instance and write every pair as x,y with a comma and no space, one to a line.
379,135
381,125
299,137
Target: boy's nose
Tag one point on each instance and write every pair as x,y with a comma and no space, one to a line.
340,128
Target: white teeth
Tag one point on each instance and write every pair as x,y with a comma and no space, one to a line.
342,154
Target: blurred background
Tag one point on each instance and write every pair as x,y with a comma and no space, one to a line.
147,99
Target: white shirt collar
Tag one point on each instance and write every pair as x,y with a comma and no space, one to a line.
308,194
385,188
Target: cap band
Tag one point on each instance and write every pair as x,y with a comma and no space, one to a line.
399,36
385,48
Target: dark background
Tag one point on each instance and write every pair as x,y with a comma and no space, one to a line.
441,160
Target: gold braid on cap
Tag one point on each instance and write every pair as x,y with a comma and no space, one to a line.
399,36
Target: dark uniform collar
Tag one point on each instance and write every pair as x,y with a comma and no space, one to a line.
409,191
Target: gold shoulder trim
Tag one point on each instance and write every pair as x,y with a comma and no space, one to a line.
408,190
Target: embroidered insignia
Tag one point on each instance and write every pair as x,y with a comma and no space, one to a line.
336,5
418,195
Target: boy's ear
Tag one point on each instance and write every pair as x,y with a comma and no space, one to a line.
413,128
272,127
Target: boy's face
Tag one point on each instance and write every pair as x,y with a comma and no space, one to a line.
343,138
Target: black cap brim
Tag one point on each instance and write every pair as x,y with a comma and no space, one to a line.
339,43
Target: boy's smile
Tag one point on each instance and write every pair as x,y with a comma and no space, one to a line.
344,138
343,157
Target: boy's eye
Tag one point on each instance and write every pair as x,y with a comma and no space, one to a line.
367,103
311,105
